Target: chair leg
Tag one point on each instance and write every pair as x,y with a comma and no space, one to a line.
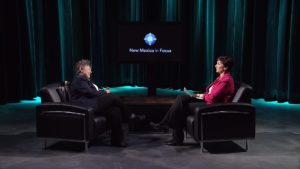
201,146
45,144
86,146
246,145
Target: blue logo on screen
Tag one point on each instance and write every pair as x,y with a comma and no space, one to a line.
150,39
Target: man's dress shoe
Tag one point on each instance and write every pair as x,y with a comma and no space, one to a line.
137,118
174,142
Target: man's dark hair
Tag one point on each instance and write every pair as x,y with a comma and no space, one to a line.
80,65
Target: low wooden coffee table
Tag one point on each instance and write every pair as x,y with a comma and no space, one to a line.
149,100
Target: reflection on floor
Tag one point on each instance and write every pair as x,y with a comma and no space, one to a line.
276,146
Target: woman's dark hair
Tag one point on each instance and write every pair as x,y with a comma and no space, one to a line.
80,65
227,62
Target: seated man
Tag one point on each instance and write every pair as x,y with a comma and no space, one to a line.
85,93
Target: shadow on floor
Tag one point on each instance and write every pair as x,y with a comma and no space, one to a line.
223,147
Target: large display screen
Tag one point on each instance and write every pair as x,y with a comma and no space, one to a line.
144,42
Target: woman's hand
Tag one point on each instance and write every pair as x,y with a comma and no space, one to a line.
199,96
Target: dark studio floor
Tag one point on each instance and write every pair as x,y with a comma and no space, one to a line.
276,146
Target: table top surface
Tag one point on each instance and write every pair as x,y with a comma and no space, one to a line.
149,100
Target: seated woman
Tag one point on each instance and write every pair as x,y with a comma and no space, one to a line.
85,93
220,91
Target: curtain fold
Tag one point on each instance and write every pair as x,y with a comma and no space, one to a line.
293,91
42,40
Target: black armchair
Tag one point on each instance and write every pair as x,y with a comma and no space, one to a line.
56,118
226,121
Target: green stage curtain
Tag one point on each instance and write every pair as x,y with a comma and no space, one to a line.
40,41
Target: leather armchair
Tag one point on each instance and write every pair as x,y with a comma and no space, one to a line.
56,118
225,121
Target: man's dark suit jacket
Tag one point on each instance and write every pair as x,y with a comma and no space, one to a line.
84,93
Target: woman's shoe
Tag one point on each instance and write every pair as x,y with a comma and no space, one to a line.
177,138
157,126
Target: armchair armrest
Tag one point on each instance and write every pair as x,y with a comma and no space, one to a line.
64,107
238,107
225,121
63,120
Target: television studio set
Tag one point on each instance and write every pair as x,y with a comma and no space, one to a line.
149,84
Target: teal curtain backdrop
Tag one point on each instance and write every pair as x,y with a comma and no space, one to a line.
40,41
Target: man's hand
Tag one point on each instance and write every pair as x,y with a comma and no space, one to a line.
107,90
